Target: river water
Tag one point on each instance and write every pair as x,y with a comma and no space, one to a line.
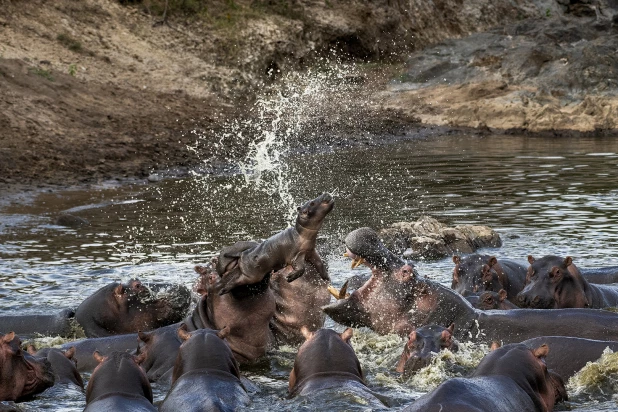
543,195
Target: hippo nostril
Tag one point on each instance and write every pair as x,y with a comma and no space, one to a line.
536,299
521,298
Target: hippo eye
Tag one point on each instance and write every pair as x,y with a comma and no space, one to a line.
312,204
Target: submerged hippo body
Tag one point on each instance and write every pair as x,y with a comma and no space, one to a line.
555,283
118,384
491,300
478,273
126,308
159,348
600,275
405,301
247,311
423,344
326,365
294,246
59,324
21,374
206,376
511,378
62,363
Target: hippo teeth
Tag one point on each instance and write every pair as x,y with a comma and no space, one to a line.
357,262
333,291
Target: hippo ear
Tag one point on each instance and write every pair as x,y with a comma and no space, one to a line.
97,356
541,351
200,270
411,338
118,291
306,332
183,334
69,353
139,359
31,350
347,335
456,260
568,261
492,261
502,294
451,328
143,336
223,333
8,337
530,259
292,381
494,345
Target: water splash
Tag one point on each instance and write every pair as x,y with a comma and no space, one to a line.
597,379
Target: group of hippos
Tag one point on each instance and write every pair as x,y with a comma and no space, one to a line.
255,296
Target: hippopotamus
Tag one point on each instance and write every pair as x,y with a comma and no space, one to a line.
510,378
206,376
126,308
556,283
246,310
62,363
118,384
568,354
478,273
59,324
423,344
491,300
298,304
160,348
294,246
600,275
401,301
326,363
21,374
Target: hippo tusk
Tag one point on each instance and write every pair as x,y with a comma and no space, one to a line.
333,291
357,262
346,254
339,294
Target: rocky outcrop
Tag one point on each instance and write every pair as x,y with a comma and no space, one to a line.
429,239
555,72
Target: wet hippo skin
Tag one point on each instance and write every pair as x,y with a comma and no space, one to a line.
400,301
118,384
491,300
62,363
423,344
568,355
21,374
326,362
478,273
58,324
511,378
159,348
206,375
294,246
554,283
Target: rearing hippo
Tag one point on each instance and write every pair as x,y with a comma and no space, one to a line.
293,246
402,301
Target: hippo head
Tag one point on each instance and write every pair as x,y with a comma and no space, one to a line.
21,374
62,362
477,273
311,215
324,352
552,283
491,300
423,344
126,308
157,348
118,372
204,349
528,369
383,302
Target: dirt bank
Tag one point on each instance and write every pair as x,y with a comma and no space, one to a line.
96,89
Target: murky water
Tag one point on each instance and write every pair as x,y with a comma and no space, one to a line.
543,195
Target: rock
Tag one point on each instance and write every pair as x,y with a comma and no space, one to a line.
71,221
429,239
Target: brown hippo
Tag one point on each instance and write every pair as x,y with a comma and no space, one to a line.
159,348
510,378
556,283
404,301
327,364
293,246
247,311
423,344
49,325
206,376
126,308
568,354
118,384
62,363
477,273
21,374
491,300
600,275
